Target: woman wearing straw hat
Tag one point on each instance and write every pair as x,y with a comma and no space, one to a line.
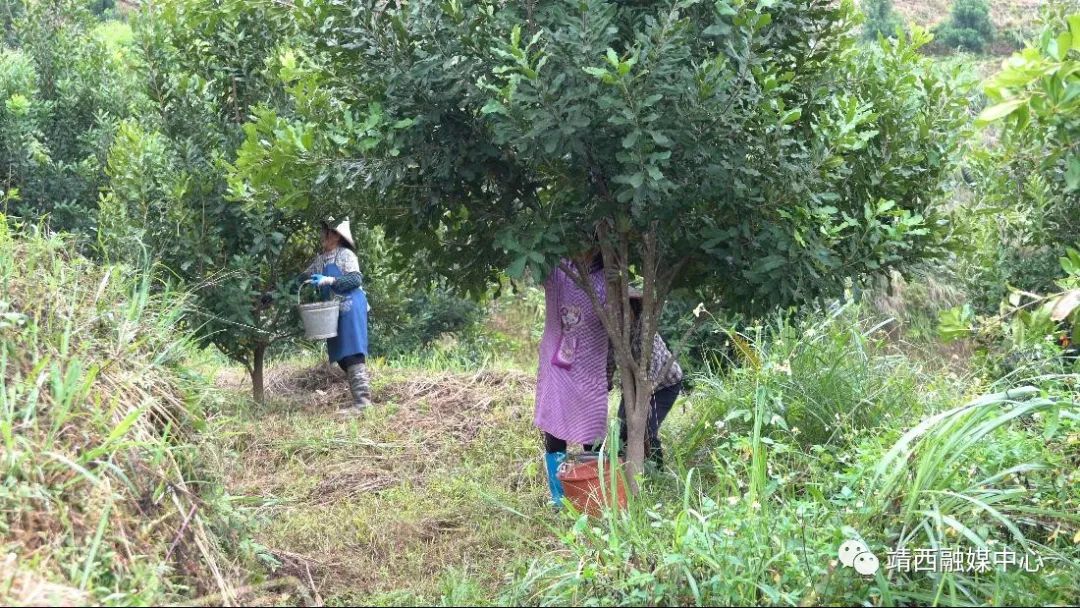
336,272
667,384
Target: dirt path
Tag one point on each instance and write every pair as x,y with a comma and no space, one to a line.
404,505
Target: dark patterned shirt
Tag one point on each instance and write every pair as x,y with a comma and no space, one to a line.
660,356
346,262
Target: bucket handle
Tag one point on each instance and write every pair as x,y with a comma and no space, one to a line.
300,291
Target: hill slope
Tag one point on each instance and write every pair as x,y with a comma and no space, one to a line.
103,498
1005,13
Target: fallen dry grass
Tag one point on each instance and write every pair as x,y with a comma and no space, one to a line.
422,486
29,589
104,492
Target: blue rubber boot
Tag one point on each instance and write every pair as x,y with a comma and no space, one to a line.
553,460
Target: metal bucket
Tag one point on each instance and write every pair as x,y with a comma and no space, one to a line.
320,319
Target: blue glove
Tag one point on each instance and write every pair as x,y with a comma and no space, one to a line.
321,280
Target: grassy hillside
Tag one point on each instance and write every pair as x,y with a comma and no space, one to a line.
1006,14
437,496
105,494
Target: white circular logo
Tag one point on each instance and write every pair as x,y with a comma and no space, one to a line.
855,554
849,550
866,563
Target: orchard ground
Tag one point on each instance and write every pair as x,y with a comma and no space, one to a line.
437,487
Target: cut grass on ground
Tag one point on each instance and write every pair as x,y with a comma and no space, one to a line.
404,504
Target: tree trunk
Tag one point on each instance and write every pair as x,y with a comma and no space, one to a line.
258,388
636,401
615,313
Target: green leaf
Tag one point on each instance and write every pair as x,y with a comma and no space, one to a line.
999,111
1072,174
1053,420
660,139
612,58
493,106
597,72
1064,44
631,139
717,29
517,267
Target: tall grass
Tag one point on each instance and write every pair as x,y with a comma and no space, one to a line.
974,474
755,513
104,498
814,380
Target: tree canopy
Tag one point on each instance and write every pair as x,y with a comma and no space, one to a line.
767,149
751,152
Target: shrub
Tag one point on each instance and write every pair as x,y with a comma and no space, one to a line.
818,379
427,315
969,27
62,90
1033,335
1026,208
881,20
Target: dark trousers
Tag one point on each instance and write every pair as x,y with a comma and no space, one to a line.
351,360
554,444
659,407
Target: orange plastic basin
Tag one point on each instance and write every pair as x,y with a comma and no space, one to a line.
583,488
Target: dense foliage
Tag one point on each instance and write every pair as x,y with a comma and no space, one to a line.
632,155
1026,209
881,19
749,153
968,28
63,89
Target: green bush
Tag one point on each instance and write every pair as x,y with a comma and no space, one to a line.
1026,181
819,379
1033,335
881,20
969,27
63,88
426,315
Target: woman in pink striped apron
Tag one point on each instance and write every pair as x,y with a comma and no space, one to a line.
571,387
